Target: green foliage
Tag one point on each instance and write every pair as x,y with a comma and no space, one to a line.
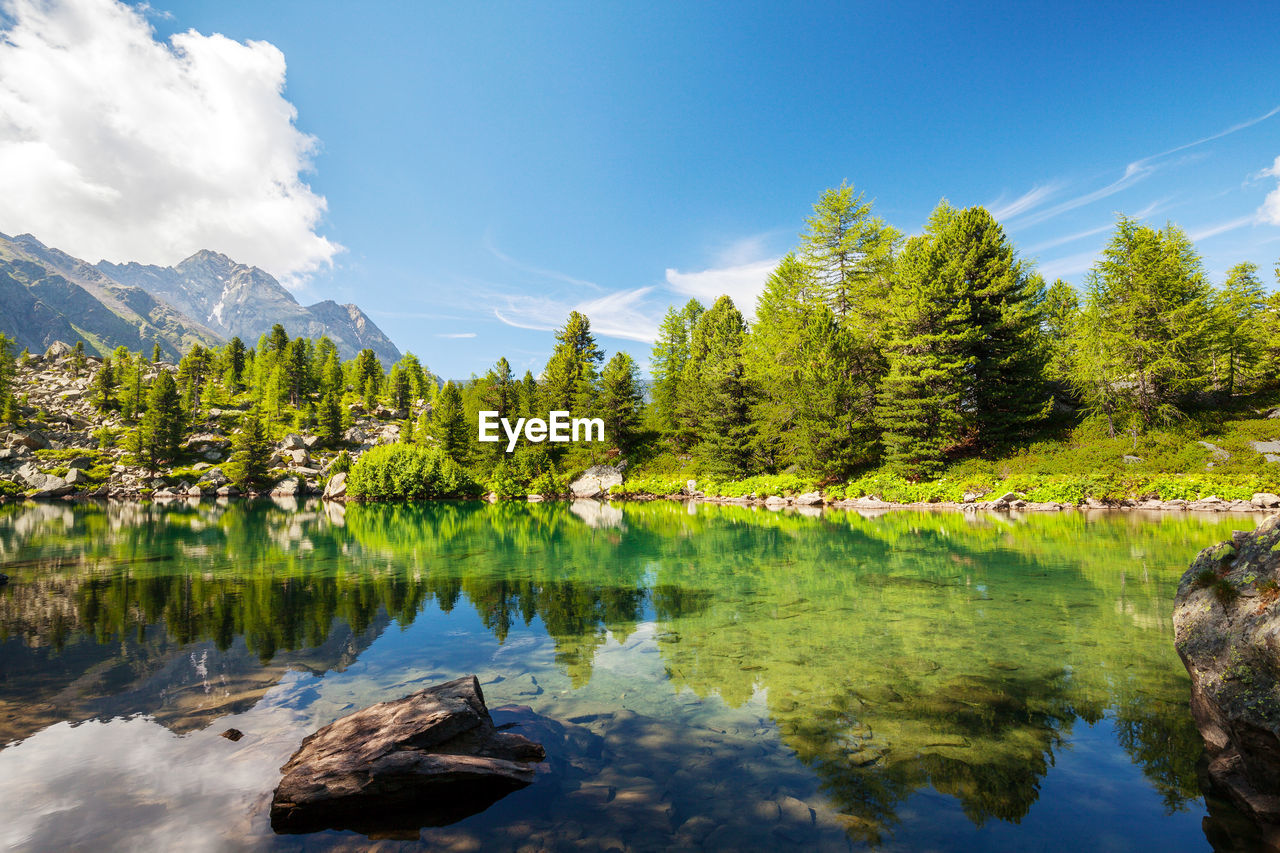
761,486
449,426
648,486
408,472
160,431
250,453
621,401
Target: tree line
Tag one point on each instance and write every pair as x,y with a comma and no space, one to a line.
867,349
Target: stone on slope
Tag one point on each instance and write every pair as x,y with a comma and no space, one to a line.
336,487
429,759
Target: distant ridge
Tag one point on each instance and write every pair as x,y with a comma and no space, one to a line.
47,295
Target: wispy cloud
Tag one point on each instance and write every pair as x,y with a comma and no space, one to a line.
1221,228
1080,235
627,314
1134,172
456,335
1031,199
541,272
1270,210
1069,265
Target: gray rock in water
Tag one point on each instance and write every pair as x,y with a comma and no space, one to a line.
595,481
1225,618
428,759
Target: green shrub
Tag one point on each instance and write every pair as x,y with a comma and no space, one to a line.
648,486
9,490
408,472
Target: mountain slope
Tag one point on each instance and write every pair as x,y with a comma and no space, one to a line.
47,295
237,299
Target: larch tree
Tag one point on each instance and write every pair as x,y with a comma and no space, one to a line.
1239,329
621,401
667,360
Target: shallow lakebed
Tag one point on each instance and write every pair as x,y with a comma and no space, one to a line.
712,677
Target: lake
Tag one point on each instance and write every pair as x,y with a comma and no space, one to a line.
711,677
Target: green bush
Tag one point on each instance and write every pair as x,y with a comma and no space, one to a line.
9,490
648,486
408,472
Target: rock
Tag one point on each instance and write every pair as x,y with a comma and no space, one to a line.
1270,450
808,499
80,462
77,477
1218,454
354,435
970,497
429,759
292,441
691,487
1274,413
775,501
1225,620
195,492
57,350
214,478
288,487
595,481
310,441
1008,498
233,734
1131,460
336,487
298,457
1265,500
228,491
31,439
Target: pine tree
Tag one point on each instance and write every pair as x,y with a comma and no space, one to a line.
77,359
449,424
103,387
621,401
250,452
297,369
330,418
1061,314
931,339
277,340
1145,346
1238,326
193,371
774,359
850,254
156,355
575,349
160,431
716,397
8,405
667,360
235,364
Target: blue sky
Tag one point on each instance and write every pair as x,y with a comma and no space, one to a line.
486,167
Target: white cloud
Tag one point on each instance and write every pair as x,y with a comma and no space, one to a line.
1220,228
1270,210
456,335
741,283
1029,200
626,314
115,145
1069,265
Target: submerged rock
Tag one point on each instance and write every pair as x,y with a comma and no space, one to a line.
1226,623
428,759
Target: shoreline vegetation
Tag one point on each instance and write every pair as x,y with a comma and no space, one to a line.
876,370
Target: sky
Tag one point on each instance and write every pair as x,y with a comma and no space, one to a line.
469,173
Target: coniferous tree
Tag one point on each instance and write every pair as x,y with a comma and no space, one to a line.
621,401
931,340
716,398
103,387
1145,330
77,359
330,420
1239,327
850,253
277,340
668,358
774,358
156,355
235,365
194,370
8,405
1061,314
575,349
449,424
250,452
160,431
297,369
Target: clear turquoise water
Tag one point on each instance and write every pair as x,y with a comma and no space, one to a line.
709,677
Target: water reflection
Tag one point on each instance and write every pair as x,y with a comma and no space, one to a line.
893,655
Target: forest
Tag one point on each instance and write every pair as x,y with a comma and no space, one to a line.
907,367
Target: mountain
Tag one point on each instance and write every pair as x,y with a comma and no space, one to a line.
236,299
47,295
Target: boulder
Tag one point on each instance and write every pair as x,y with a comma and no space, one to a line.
292,441
1131,460
1270,450
336,487
595,481
80,462
31,439
808,499
429,759
1218,454
57,350
1226,616
194,492
77,477
1265,500
288,487
214,478
228,491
